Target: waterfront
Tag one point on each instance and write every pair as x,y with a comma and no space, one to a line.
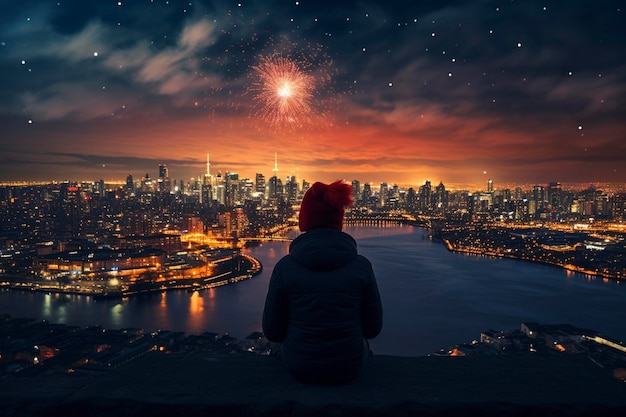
432,298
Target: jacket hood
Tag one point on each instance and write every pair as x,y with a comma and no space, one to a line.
323,249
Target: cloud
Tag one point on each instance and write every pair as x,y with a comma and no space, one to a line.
99,58
467,98
197,35
80,101
93,39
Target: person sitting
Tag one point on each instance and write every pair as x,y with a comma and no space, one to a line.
323,302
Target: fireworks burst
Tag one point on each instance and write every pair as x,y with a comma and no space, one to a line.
291,88
283,92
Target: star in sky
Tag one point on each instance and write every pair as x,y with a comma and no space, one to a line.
411,91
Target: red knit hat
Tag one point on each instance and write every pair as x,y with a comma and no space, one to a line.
323,205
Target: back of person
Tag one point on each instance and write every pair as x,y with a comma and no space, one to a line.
323,301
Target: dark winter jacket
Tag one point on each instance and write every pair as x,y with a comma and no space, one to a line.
322,303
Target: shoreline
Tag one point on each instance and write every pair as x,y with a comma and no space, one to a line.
252,268
492,254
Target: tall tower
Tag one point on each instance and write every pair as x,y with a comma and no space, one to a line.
490,186
275,186
275,169
207,190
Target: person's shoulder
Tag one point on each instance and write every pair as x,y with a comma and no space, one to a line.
284,262
363,263
363,259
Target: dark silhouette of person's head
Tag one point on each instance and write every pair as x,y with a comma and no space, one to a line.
323,205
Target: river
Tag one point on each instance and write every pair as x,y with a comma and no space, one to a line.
432,298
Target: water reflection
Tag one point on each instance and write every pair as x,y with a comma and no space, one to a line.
117,315
432,298
61,313
271,253
196,311
196,304
47,305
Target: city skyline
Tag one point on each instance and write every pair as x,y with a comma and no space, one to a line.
175,183
460,92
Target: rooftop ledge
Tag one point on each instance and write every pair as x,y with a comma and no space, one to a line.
157,384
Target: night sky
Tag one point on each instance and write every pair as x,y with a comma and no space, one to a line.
398,92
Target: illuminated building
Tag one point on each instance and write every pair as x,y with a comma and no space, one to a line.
219,188
146,184
118,262
246,189
225,223
208,186
441,197
275,191
425,197
366,195
356,190
291,189
617,206
410,202
259,184
231,189
167,242
305,187
383,194
130,185
192,224
163,182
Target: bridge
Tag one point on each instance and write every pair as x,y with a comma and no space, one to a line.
265,239
365,220
384,219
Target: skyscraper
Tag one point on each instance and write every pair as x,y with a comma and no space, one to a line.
555,197
356,190
425,196
219,188
130,185
231,189
162,171
275,186
441,197
383,194
259,184
366,194
291,189
208,187
275,190
163,182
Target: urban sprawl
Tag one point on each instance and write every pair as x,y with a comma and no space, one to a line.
157,233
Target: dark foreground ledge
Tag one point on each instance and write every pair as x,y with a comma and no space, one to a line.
159,384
